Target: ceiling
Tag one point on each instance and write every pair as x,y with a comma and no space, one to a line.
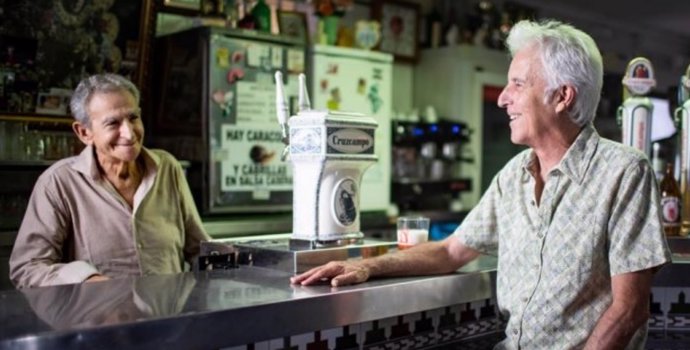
663,16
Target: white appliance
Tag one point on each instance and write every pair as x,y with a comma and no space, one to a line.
354,80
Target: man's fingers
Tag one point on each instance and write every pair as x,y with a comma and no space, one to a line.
304,275
351,277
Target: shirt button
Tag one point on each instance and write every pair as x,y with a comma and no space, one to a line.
536,266
515,331
524,299
533,202
140,245
540,235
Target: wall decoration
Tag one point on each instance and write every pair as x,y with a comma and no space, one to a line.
399,28
293,24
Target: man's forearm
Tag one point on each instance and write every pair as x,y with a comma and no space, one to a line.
627,313
617,326
429,258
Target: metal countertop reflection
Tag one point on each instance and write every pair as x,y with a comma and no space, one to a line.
217,308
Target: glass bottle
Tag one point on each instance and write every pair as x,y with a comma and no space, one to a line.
670,202
262,14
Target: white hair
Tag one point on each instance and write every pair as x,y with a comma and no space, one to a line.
101,83
570,57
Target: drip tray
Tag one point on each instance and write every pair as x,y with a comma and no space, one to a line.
286,255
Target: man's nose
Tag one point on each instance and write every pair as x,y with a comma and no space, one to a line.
503,98
127,130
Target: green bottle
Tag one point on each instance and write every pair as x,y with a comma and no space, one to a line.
262,14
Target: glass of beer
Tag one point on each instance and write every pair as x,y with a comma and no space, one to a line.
412,230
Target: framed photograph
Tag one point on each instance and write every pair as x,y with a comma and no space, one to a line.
399,28
191,7
293,24
55,102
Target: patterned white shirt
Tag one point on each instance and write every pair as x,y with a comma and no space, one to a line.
598,217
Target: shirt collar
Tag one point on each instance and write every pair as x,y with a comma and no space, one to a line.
576,160
86,164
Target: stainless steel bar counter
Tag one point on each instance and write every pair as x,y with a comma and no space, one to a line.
217,309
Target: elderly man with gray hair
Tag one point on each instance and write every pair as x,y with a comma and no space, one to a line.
574,219
117,209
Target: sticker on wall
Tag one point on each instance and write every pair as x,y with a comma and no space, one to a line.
237,57
234,75
276,57
332,69
295,61
375,99
333,102
223,57
378,74
361,86
224,101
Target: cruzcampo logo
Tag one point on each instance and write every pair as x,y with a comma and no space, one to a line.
350,141
639,76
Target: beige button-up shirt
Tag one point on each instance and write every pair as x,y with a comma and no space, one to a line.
76,224
598,217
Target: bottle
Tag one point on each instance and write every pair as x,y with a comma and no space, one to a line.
262,14
670,202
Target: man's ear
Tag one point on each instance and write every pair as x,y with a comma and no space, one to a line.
565,98
83,133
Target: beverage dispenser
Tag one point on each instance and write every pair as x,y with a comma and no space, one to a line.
635,115
682,115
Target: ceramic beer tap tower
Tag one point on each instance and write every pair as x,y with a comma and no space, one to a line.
635,115
329,152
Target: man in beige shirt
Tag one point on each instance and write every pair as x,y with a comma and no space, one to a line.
117,209
574,219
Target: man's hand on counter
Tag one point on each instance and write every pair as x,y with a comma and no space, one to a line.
340,273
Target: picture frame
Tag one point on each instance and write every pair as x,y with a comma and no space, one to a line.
399,28
293,24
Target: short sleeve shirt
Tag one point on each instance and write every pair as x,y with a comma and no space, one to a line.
598,217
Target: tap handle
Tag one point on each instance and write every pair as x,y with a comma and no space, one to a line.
281,103
282,107
303,103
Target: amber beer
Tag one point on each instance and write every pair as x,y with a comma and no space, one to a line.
670,202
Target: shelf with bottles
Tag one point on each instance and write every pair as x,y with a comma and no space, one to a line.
35,140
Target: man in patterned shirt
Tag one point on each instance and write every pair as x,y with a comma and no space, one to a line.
574,219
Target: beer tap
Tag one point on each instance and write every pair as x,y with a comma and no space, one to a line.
303,102
635,115
682,116
282,112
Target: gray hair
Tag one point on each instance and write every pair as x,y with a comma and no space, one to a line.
99,83
569,56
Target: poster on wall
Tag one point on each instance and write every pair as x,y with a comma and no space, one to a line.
252,161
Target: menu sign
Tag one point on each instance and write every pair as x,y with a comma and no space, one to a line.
250,158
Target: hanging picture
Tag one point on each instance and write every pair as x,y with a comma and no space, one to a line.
293,24
399,28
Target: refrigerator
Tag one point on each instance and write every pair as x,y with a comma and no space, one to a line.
213,99
355,80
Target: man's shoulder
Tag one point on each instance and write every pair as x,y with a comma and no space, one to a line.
60,169
616,153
